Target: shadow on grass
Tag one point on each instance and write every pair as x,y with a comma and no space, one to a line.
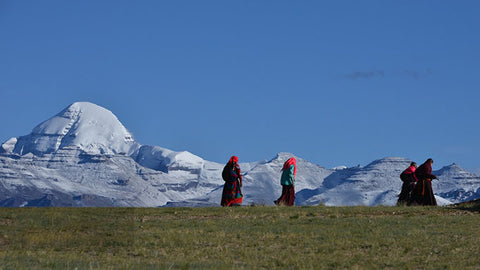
472,206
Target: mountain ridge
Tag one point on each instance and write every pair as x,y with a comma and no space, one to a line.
83,124
84,156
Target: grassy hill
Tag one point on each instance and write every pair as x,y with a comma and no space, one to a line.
244,237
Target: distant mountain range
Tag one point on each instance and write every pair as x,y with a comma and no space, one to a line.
84,156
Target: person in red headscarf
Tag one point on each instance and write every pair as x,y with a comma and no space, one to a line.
409,179
289,172
231,174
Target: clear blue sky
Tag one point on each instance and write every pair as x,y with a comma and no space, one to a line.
334,82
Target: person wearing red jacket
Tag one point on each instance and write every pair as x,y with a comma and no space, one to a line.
423,193
409,179
231,174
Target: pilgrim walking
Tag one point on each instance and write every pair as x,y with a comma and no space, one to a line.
231,174
423,193
289,172
409,179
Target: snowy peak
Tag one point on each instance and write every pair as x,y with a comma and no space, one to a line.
451,169
284,156
161,159
8,146
84,125
456,184
74,159
454,175
389,162
389,168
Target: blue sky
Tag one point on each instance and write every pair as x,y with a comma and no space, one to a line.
334,82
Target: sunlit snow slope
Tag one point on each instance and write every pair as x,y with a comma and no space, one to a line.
84,156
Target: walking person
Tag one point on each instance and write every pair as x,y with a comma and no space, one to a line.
231,174
409,179
289,172
423,193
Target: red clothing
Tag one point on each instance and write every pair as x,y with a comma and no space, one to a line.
288,196
231,195
423,193
234,171
233,159
408,175
288,190
425,172
231,174
291,161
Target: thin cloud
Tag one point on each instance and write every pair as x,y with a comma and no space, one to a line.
416,74
410,73
365,75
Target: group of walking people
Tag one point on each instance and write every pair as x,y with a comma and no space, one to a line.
417,185
416,188
232,189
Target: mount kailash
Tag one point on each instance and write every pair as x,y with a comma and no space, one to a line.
84,156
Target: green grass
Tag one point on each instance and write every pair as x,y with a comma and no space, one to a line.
257,237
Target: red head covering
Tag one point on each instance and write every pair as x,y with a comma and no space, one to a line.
233,159
291,161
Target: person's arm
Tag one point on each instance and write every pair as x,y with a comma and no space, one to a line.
240,175
414,177
429,173
291,174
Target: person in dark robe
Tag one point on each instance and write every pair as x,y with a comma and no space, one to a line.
231,174
289,172
409,179
423,193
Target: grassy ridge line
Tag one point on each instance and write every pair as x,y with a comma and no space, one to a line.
245,237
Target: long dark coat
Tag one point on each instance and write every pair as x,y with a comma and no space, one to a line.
232,193
423,193
409,180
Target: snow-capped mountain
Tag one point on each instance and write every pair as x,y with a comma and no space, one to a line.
86,126
84,156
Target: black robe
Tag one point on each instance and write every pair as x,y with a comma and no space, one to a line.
423,193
